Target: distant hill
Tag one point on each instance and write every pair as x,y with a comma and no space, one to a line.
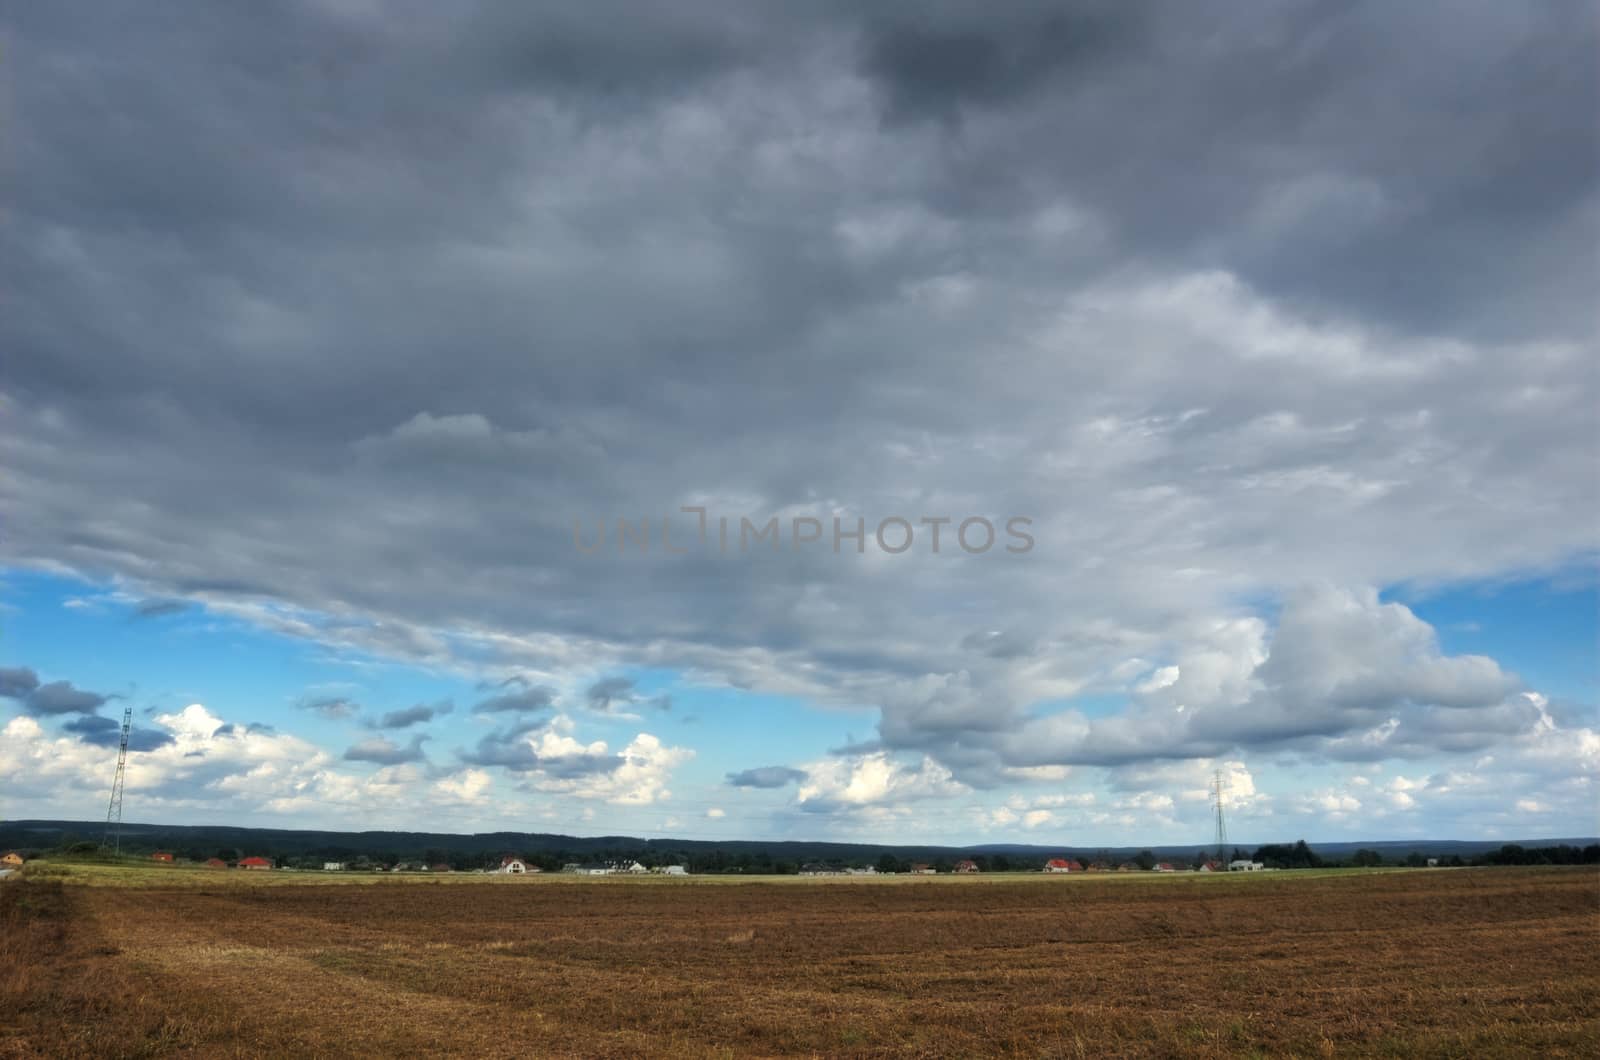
288,843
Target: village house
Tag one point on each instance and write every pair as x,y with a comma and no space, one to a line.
215,863
333,866
1062,865
511,865
674,870
920,869
816,868
162,856
966,865
1164,866
1128,866
441,867
259,864
1245,865
1210,866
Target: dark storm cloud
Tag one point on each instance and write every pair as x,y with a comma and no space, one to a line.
334,708
526,700
159,608
987,56
386,752
611,693
91,723
766,777
106,732
55,697
17,682
608,691
511,749
576,766
414,715
999,644
508,749
1225,297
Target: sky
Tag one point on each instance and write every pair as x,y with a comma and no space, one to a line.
905,422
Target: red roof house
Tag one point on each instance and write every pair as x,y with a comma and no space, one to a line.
255,863
1062,865
161,855
966,866
216,863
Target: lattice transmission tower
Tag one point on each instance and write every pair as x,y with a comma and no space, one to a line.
113,836
1219,794
1218,798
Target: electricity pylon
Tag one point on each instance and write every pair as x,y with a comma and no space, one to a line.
1219,792
113,836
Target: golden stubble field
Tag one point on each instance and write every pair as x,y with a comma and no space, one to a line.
1468,962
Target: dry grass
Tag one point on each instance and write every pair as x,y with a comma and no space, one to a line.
1454,963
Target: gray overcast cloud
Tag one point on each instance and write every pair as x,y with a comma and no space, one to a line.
333,317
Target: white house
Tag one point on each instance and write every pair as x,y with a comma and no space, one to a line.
513,866
333,866
1245,865
674,870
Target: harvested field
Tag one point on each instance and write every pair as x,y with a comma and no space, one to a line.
1461,962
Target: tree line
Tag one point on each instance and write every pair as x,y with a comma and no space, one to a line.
1285,856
